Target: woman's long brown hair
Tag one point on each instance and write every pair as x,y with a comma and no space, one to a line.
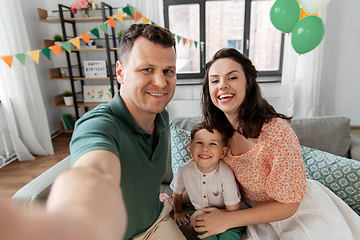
254,111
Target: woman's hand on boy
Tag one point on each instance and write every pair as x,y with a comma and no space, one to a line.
210,221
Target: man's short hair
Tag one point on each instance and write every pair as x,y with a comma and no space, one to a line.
154,33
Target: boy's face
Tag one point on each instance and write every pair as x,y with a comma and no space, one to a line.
207,149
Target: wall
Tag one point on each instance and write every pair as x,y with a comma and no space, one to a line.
38,31
340,83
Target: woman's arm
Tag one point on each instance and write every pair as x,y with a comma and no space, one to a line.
233,207
215,221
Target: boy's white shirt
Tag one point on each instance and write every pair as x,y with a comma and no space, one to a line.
215,189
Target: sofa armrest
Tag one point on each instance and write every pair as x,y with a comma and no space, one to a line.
355,148
38,189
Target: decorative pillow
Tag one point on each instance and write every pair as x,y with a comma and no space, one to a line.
180,148
341,175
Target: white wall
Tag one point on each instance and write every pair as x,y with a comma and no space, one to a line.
340,82
38,31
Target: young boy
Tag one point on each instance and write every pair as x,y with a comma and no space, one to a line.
208,181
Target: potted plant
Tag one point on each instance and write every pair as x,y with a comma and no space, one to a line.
57,39
120,35
68,98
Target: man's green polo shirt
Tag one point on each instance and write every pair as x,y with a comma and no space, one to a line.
111,127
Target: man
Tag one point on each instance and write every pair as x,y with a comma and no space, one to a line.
123,142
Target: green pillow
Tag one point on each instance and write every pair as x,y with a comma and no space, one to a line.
180,148
341,175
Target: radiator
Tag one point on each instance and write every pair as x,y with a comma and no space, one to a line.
6,155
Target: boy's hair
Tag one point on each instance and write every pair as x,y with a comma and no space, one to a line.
209,128
154,33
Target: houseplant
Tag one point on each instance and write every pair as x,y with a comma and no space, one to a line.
68,98
57,39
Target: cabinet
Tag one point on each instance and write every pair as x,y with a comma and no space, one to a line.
75,67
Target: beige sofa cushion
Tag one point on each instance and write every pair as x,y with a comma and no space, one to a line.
330,134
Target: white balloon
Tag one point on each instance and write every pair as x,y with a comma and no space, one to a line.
313,6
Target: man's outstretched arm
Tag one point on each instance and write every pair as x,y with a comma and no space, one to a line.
85,203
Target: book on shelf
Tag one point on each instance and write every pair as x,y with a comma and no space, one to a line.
67,121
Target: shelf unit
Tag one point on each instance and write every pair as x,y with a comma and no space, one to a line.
111,47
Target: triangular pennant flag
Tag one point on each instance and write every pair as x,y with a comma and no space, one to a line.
46,52
184,41
8,60
178,39
67,46
191,42
56,49
152,23
145,20
137,16
21,58
35,55
95,32
127,10
111,22
119,17
104,28
86,38
76,42
132,10
196,43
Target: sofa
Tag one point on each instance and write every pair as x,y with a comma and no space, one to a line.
330,152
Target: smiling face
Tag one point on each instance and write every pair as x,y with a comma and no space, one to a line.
207,149
148,77
227,86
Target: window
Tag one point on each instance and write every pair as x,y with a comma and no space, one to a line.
241,24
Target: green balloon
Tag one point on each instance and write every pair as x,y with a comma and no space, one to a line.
307,34
284,14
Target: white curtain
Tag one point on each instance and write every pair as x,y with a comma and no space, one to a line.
301,80
20,94
152,9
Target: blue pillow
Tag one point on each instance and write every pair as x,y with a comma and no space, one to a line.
180,148
341,175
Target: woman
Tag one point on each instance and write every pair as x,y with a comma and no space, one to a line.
264,154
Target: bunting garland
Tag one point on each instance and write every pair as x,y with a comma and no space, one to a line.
35,55
129,10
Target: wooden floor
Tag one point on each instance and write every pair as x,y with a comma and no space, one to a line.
17,174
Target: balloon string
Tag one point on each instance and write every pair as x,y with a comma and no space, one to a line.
292,90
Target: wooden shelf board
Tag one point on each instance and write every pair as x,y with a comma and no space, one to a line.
54,74
59,102
42,15
81,104
62,130
93,49
80,78
86,19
